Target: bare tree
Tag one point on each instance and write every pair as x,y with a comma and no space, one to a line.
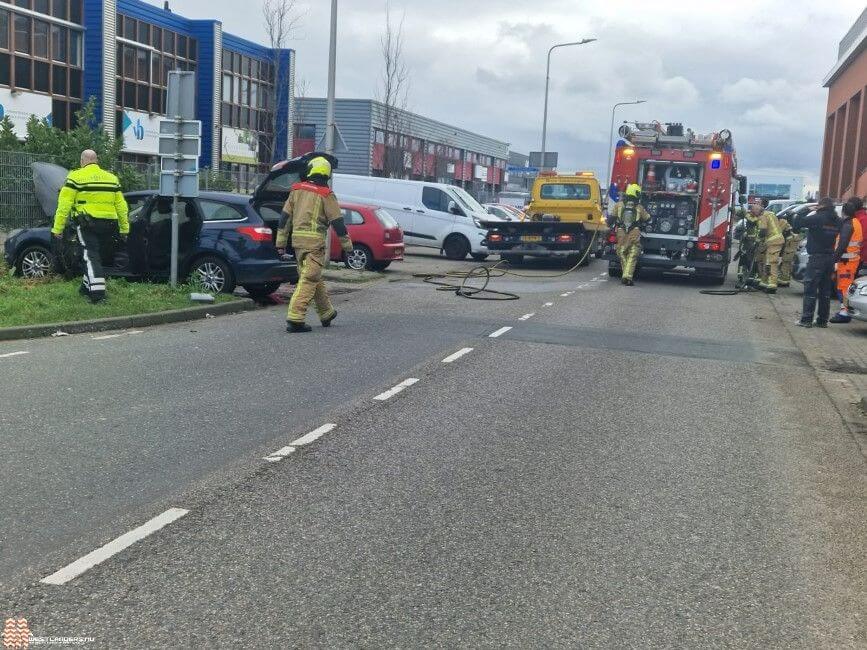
393,93
282,18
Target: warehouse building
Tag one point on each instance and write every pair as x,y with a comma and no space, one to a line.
374,140
844,155
55,54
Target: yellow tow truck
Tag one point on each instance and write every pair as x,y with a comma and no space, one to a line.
564,214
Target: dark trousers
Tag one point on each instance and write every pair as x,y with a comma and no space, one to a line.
97,239
818,285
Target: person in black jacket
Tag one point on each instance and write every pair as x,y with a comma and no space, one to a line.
822,228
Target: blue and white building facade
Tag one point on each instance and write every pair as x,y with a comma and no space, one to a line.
57,54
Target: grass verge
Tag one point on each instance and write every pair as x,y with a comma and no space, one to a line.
53,300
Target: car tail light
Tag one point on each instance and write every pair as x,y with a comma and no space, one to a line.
564,239
495,237
256,233
714,246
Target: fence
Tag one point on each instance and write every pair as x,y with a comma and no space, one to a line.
18,205
19,208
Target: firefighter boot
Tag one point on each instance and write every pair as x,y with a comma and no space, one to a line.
296,328
326,322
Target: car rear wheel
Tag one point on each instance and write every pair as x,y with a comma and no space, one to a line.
35,262
456,247
261,291
212,274
359,258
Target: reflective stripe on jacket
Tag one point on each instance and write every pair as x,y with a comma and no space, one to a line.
311,208
92,191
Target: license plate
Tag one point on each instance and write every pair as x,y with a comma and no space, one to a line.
531,237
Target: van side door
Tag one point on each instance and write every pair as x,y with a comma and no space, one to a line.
434,222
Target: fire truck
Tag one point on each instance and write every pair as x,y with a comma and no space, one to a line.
690,188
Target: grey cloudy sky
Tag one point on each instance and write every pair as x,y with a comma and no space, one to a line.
753,66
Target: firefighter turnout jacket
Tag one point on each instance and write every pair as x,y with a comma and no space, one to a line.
93,192
770,230
307,213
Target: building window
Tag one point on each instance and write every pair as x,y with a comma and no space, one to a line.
22,34
22,73
59,9
247,97
59,37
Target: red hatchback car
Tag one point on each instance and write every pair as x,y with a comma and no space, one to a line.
377,240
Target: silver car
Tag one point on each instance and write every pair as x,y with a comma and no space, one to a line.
858,299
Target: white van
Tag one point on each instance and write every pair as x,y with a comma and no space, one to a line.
433,215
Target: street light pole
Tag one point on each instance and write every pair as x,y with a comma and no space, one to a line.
547,85
330,127
611,135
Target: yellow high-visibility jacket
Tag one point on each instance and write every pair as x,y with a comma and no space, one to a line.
95,192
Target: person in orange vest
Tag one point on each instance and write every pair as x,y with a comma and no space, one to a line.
848,258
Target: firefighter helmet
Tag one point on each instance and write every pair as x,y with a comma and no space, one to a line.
319,166
633,190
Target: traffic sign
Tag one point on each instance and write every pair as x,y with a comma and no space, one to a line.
181,95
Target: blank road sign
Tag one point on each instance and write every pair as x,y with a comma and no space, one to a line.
188,148
188,186
188,165
187,128
181,95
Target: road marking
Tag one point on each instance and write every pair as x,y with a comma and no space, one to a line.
457,355
499,332
602,275
72,571
595,279
391,392
583,286
114,336
313,435
13,354
527,316
280,454
567,294
548,304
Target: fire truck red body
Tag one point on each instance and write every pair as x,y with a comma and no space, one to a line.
689,187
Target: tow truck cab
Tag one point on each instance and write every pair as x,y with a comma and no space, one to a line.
564,213
689,183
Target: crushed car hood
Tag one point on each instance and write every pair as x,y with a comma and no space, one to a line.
48,179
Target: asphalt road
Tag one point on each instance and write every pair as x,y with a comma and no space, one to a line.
625,467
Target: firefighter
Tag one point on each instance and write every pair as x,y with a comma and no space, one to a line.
748,254
628,215
309,210
787,258
770,245
847,255
92,203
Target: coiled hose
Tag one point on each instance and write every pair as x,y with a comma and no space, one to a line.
486,273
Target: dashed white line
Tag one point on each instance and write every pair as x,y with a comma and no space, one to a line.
548,304
14,354
280,454
582,286
105,336
306,439
527,316
391,392
72,571
567,294
499,332
457,355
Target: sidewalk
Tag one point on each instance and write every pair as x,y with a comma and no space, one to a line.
839,356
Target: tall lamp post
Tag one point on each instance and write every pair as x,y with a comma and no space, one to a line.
547,84
611,135
330,127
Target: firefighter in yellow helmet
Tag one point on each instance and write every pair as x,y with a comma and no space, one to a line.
628,215
310,209
771,242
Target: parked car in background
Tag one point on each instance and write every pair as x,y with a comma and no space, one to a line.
377,240
777,205
433,215
858,299
504,212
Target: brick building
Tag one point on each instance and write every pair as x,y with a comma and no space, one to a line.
844,154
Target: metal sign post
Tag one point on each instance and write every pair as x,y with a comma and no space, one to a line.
179,147
329,110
